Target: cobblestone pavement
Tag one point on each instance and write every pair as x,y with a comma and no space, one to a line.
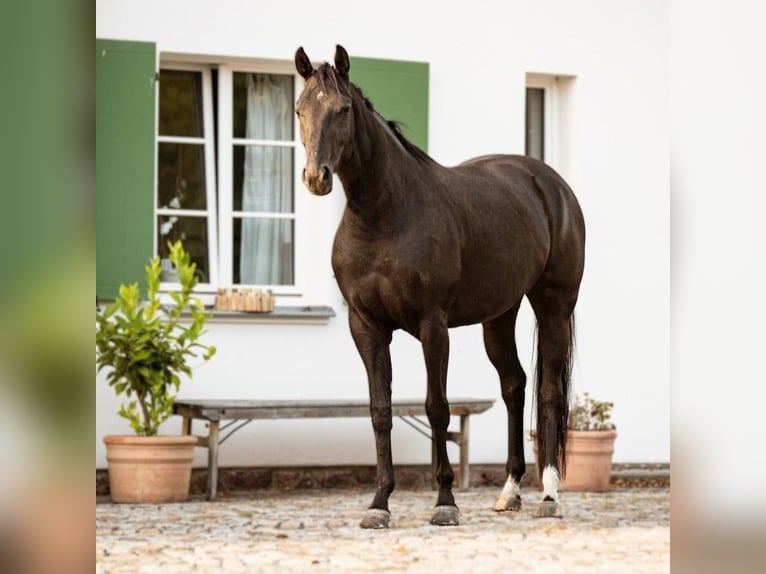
624,530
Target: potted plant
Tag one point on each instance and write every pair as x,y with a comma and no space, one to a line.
589,445
147,349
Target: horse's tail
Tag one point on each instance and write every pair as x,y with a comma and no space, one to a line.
561,438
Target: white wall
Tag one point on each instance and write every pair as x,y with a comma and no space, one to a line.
719,276
615,155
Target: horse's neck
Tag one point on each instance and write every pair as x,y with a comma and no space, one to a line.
380,175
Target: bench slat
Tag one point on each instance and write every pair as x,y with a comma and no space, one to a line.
252,409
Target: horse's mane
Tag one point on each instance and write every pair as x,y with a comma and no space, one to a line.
328,73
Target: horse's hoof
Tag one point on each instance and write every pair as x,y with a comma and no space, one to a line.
445,516
507,503
375,518
549,509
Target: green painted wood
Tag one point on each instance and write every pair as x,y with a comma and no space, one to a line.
399,91
125,149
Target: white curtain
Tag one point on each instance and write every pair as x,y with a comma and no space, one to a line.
266,256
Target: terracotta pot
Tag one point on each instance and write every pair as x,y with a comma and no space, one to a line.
149,468
589,460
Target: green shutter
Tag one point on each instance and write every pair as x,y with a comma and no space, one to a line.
399,91
125,134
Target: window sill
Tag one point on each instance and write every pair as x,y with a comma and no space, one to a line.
287,314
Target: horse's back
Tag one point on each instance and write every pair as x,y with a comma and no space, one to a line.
532,182
517,171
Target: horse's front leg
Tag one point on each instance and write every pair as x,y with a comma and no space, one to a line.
373,346
434,337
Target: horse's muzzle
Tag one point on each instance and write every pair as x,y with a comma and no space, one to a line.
319,180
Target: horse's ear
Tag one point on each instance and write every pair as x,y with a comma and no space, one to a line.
342,63
303,64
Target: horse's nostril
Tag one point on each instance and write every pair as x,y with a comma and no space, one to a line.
325,173
304,174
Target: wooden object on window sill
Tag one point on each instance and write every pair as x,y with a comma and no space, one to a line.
250,300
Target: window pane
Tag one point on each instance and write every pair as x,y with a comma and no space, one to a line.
535,141
263,107
181,103
263,251
263,178
192,232
181,176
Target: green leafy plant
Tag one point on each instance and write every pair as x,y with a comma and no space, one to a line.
589,414
147,347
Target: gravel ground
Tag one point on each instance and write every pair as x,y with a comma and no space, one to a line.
624,530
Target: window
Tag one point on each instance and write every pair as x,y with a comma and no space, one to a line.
208,154
541,104
549,116
186,201
226,174
535,123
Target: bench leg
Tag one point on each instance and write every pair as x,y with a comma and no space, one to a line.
186,426
212,461
465,472
460,438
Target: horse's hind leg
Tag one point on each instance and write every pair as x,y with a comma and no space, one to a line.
554,310
500,343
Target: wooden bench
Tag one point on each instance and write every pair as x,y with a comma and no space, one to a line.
241,412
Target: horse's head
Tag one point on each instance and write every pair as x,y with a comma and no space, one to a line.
326,118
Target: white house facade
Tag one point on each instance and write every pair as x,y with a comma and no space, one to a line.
585,85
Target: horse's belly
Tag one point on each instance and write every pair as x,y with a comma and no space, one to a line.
494,280
470,311
404,299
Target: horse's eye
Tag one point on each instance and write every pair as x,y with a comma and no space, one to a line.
345,110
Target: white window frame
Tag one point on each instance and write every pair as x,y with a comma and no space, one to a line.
208,141
548,83
219,191
226,142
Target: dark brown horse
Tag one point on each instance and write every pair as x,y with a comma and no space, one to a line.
422,247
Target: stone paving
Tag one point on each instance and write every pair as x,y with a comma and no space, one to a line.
624,530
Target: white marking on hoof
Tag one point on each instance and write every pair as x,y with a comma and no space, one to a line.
510,497
376,519
551,483
446,516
